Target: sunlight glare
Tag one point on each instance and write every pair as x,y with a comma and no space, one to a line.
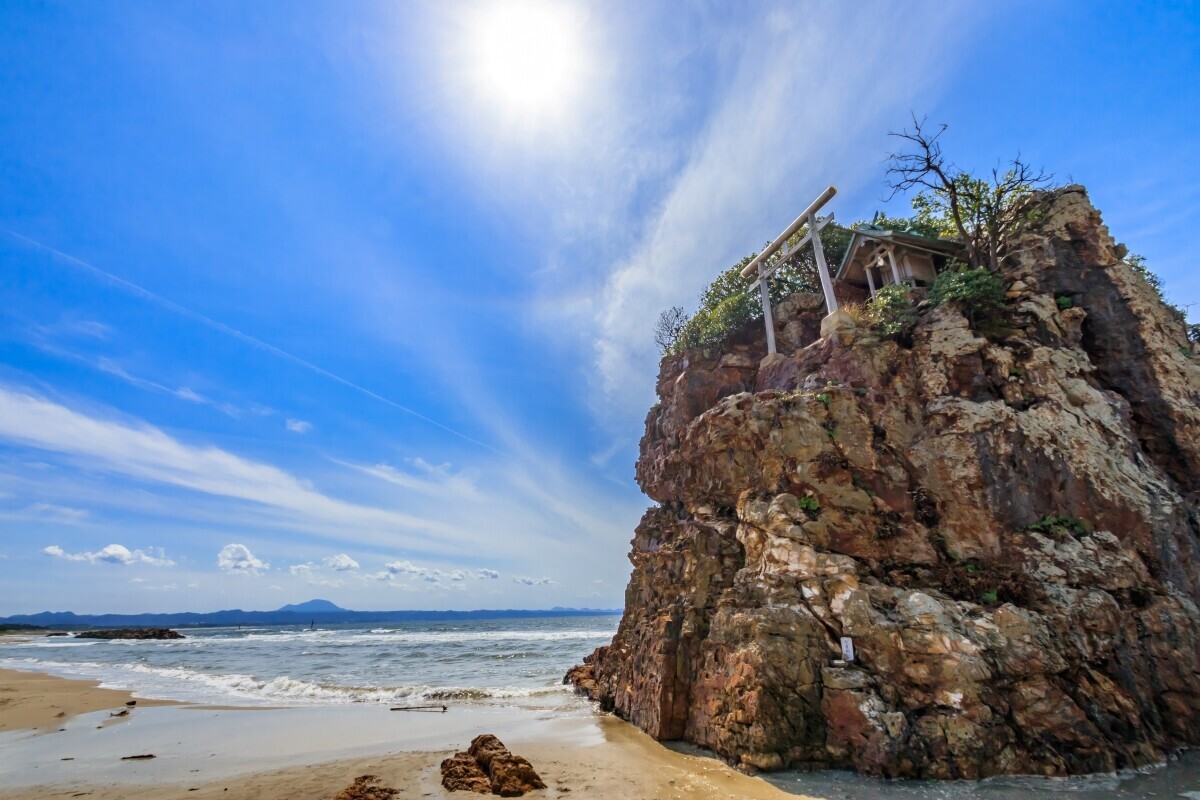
527,58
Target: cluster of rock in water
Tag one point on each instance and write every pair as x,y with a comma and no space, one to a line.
128,633
1006,527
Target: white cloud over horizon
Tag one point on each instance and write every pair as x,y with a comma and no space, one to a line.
114,554
237,559
527,581
341,563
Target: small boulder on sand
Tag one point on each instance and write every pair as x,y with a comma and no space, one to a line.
366,787
488,767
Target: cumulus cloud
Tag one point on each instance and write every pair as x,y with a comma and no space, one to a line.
532,581
237,559
486,574
404,568
341,563
426,574
117,554
299,426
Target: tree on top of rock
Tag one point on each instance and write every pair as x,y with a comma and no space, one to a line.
986,214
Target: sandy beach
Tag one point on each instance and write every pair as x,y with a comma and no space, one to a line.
57,739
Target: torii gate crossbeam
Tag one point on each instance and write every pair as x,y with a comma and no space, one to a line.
807,217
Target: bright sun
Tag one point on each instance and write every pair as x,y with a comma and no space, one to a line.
526,57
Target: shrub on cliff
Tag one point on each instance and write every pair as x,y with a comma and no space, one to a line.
978,293
728,303
1137,263
891,311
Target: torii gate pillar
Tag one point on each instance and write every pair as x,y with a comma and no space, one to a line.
759,266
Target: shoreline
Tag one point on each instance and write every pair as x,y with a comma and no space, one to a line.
316,751
210,751
40,701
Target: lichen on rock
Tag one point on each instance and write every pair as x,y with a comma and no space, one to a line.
1007,527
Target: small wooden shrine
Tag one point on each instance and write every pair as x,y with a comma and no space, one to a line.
878,257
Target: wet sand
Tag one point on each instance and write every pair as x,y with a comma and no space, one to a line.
32,700
315,752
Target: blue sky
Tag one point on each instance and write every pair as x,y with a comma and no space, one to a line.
351,300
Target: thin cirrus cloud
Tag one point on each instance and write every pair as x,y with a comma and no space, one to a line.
299,426
183,311
312,575
139,450
52,512
428,479
43,338
236,559
527,581
117,554
779,132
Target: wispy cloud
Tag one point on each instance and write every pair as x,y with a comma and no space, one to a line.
532,581
299,426
806,89
176,308
424,478
142,451
51,512
311,574
113,554
185,393
237,559
75,328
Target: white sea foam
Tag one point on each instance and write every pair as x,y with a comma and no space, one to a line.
391,636
181,683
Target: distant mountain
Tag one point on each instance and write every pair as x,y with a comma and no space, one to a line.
313,607
321,611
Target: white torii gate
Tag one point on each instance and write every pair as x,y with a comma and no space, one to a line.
758,265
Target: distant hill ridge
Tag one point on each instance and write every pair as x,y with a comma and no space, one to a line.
292,614
313,606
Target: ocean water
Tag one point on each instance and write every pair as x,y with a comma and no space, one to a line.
497,661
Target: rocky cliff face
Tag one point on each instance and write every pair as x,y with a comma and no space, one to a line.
1007,529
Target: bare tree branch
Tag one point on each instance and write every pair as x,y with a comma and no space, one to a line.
986,214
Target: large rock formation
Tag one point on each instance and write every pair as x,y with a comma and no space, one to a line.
1007,528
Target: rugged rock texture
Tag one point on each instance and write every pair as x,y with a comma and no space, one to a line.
366,787
487,767
131,633
1008,529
